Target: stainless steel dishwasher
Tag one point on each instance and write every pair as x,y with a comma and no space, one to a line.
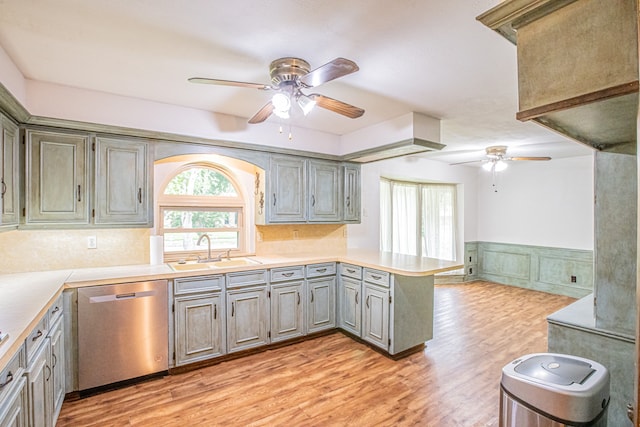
122,332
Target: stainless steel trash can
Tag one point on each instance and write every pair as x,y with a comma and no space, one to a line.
553,390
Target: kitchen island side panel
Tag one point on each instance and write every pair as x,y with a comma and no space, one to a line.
411,312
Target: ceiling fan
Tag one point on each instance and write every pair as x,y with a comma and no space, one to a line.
497,159
289,77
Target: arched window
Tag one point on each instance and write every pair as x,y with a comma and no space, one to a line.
201,199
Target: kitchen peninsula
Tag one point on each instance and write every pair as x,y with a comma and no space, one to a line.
26,297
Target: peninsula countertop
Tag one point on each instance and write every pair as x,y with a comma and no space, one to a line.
24,297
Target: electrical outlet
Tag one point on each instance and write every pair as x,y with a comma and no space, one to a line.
260,236
92,242
295,234
574,279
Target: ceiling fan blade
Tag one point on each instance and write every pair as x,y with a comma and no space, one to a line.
229,83
467,162
331,70
529,158
337,106
263,114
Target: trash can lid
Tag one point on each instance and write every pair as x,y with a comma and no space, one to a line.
556,369
565,387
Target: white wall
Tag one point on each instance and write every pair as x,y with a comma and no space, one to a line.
539,203
12,78
367,233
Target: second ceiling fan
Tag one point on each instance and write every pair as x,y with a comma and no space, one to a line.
497,158
289,77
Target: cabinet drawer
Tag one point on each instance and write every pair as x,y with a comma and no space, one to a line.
351,270
198,284
37,336
317,270
11,373
55,311
287,273
376,277
245,278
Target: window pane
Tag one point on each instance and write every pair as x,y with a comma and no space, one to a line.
177,242
200,181
199,219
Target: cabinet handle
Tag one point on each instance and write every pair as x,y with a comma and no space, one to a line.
274,199
321,270
9,379
311,295
79,193
139,195
350,270
38,335
348,201
233,309
55,310
49,371
4,187
367,301
55,360
298,297
215,311
289,274
313,200
356,297
376,277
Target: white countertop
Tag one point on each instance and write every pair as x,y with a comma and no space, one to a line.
24,297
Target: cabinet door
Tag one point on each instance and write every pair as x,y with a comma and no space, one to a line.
57,187
325,191
287,313
122,183
351,193
287,195
9,173
349,300
56,339
38,388
199,328
13,409
376,315
322,305
247,318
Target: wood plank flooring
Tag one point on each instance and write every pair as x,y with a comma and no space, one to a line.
335,381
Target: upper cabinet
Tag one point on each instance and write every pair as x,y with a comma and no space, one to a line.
122,183
57,178
59,186
325,191
300,190
577,66
9,200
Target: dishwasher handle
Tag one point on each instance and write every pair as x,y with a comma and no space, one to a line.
121,297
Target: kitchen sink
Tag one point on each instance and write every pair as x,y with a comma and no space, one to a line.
225,263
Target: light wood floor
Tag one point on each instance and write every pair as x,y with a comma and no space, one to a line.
335,381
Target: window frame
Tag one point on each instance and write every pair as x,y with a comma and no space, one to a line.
202,203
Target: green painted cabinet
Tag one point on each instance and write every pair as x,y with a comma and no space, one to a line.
287,190
351,195
122,183
13,392
199,318
321,298
375,313
57,178
57,379
287,310
349,298
38,375
325,191
9,190
247,310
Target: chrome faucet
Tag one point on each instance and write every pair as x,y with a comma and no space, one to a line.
208,248
227,256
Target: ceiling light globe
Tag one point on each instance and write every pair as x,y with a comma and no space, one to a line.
281,102
501,165
488,166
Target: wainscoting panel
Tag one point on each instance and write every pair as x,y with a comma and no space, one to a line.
554,270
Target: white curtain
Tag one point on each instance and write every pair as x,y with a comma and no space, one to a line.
418,219
439,221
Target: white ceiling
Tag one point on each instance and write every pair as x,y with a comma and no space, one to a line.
426,56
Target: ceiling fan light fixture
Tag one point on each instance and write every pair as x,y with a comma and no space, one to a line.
500,165
281,103
306,104
488,166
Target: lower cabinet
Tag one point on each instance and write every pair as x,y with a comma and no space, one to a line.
247,318
39,387
349,305
58,379
322,305
199,318
13,392
199,323
375,313
287,303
